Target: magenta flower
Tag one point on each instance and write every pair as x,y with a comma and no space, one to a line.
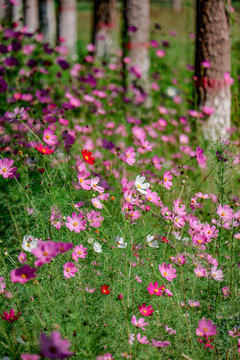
167,177
154,290
160,343
23,274
45,251
206,328
95,219
201,159
165,290
54,347
2,285
63,247
76,222
217,274
79,252
11,317
139,323
6,169
49,137
142,340
69,270
168,271
226,291
146,311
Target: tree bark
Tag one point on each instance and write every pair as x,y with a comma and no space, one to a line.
135,39
103,24
213,45
30,14
47,20
177,5
68,24
17,12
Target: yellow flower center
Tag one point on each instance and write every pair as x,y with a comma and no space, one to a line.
75,223
165,179
155,290
144,311
139,186
23,276
128,155
4,169
205,329
165,273
79,252
47,137
45,253
223,213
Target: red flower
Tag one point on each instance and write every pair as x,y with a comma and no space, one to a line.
87,156
44,150
11,317
164,239
105,289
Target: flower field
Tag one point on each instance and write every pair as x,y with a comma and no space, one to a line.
120,224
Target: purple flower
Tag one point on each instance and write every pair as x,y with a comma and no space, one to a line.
23,274
3,86
54,347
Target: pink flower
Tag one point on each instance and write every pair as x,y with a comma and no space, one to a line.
139,323
83,181
225,212
30,357
146,311
165,290
206,328
69,270
97,203
22,257
201,159
154,290
76,222
95,219
138,279
226,291
160,343
156,162
160,53
94,185
89,289
227,78
6,169
23,274
129,156
142,340
217,274
167,177
179,221
49,137
2,285
206,64
79,252
168,271
200,271
208,110
45,251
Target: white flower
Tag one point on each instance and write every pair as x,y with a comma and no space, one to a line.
140,186
153,244
29,243
90,241
120,242
97,247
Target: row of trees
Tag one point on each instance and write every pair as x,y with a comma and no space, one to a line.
212,60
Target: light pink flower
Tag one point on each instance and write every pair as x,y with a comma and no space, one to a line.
49,137
167,177
160,343
142,340
168,271
94,185
139,323
6,169
83,181
79,252
200,271
97,203
217,274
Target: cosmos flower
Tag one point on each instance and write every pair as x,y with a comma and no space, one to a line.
206,328
69,269
11,317
54,347
6,169
140,186
168,271
29,243
43,150
119,241
23,274
105,289
87,157
139,323
146,311
76,223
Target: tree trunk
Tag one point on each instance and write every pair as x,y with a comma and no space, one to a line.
30,12
103,24
135,39
68,24
6,12
213,45
17,12
177,4
47,20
